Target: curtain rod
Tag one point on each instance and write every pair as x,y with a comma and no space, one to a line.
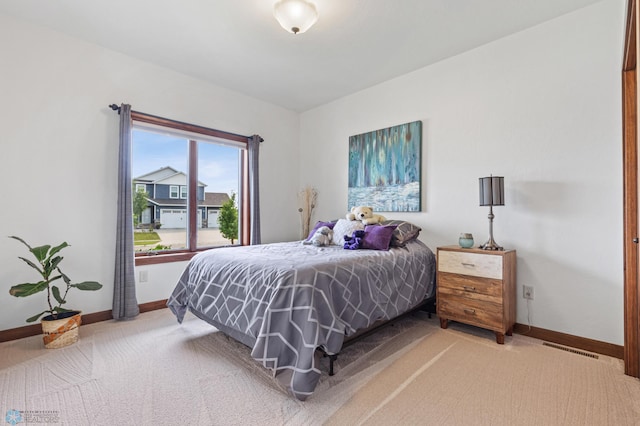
143,115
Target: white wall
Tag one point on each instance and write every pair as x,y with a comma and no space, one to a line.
541,108
59,156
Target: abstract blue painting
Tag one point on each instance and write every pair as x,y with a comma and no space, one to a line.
384,168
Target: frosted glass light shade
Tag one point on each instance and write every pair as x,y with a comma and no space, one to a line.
295,16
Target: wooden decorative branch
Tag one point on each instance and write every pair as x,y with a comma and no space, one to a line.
307,199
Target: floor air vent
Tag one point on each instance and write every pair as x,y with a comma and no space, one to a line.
573,351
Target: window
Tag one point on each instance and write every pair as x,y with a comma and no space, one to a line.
198,179
141,187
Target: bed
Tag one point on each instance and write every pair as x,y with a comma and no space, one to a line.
288,300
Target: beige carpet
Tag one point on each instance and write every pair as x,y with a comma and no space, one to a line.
153,371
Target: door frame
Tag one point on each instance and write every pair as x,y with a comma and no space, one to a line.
630,194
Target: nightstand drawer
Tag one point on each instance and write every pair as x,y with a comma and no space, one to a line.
474,264
471,287
474,312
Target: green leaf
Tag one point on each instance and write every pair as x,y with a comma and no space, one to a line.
56,294
57,277
22,241
58,248
60,310
54,263
30,263
35,317
27,289
87,285
65,278
41,252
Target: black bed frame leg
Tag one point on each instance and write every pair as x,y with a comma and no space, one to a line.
332,358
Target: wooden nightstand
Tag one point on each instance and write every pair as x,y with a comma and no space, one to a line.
477,287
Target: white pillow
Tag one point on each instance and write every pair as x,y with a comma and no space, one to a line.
345,227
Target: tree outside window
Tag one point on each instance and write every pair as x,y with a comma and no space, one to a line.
139,205
228,219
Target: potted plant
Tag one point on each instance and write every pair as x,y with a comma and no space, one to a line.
60,325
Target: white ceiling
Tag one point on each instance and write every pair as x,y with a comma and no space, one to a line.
239,45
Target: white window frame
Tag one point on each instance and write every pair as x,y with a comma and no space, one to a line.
171,191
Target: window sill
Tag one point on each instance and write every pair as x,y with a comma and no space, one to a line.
154,259
168,257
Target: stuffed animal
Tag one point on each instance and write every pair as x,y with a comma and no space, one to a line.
322,237
365,214
354,242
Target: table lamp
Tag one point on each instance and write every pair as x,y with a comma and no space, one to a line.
491,194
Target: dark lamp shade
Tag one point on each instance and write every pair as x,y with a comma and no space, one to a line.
492,191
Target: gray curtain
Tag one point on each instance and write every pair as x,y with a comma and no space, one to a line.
125,304
254,191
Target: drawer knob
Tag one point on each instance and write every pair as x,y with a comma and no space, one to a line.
469,288
468,264
470,311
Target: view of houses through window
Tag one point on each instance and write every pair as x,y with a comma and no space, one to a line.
160,170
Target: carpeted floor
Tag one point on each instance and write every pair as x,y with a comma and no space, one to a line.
153,371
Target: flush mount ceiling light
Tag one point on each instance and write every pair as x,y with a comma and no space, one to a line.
295,16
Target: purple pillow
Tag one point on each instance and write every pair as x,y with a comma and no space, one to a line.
377,237
320,224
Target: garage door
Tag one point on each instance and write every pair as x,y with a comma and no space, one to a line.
173,218
213,219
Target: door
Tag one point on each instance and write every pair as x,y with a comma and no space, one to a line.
146,216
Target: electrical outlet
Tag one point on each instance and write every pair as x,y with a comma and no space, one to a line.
527,292
143,276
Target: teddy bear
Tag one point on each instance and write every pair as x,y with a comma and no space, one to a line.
322,237
365,214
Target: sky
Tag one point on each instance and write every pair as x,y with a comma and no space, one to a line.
217,164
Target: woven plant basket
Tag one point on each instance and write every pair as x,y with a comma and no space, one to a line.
61,332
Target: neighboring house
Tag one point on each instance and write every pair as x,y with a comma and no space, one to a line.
166,189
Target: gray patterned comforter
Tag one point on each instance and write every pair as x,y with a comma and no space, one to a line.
287,299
